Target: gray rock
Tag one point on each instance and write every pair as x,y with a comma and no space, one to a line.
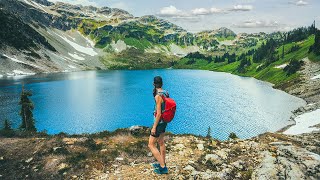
290,170
29,160
119,159
188,168
239,165
179,146
222,154
200,147
215,159
267,169
104,150
291,162
56,148
63,166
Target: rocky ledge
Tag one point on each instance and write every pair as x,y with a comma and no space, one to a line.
124,154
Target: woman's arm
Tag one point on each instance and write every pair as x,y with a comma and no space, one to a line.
158,110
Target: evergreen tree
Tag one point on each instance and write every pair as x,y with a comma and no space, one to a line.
282,56
209,132
315,48
293,67
7,131
28,122
7,125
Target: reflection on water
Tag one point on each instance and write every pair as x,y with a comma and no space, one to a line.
91,101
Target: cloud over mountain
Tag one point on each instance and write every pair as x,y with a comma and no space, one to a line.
257,24
172,11
242,8
301,3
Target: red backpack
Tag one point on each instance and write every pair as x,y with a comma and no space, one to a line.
169,108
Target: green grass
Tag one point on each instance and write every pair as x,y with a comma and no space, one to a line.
141,44
270,73
133,58
313,57
225,38
296,55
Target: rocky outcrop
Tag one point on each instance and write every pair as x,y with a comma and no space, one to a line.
288,162
124,154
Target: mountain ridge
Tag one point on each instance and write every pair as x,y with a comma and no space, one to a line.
119,39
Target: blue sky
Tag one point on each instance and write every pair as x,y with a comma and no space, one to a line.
238,15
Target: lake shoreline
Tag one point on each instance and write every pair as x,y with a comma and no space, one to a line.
306,88
290,88
124,153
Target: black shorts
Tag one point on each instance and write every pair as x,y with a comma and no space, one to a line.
161,128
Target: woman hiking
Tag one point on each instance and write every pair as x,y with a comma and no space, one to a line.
158,128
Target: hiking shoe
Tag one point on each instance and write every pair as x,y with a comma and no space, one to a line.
156,165
161,170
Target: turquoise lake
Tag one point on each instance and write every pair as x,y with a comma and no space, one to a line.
92,101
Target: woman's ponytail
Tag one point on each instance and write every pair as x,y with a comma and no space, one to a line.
154,92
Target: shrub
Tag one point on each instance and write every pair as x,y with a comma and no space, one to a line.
233,136
293,67
91,144
76,158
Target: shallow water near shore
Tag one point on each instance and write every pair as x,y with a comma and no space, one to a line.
93,101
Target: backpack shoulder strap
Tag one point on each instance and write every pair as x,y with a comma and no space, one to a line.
163,93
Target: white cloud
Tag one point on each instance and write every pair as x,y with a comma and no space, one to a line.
173,12
301,3
216,10
170,11
257,24
200,11
242,8
204,11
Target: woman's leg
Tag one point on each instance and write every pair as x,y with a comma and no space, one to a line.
162,147
155,151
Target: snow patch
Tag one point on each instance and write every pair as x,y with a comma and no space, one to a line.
1,75
18,72
281,66
40,6
18,61
49,33
87,50
89,41
108,17
74,39
27,2
75,56
304,123
35,4
72,67
316,77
